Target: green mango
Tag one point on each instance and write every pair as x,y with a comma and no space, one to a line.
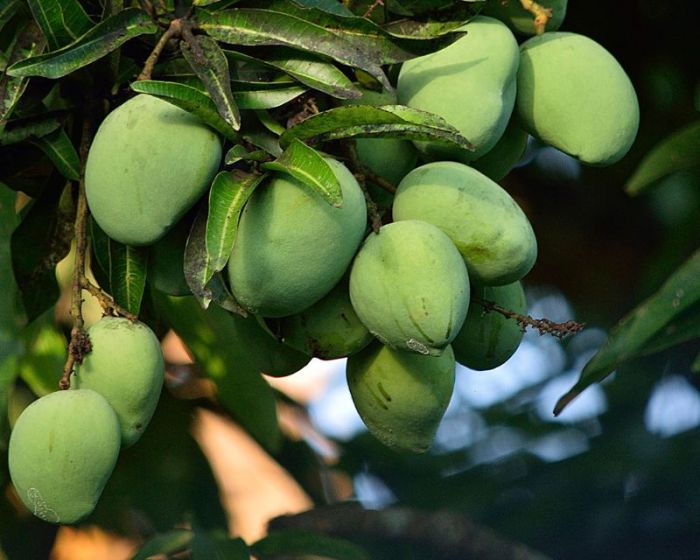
574,95
487,340
126,367
329,329
62,451
166,269
471,84
148,164
401,396
488,227
512,13
499,161
292,246
410,288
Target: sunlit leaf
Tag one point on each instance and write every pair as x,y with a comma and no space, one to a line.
267,99
127,275
298,542
60,150
62,21
165,544
240,153
41,364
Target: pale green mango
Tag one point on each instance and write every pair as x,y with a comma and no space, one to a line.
499,161
487,340
574,95
401,396
148,164
62,451
292,246
126,367
512,13
166,270
409,287
488,227
329,329
471,84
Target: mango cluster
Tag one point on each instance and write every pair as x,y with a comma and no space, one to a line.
65,445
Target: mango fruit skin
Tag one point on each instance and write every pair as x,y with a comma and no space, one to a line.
329,329
166,258
488,227
401,396
574,96
62,451
409,286
488,340
293,247
519,20
126,367
148,164
470,83
500,159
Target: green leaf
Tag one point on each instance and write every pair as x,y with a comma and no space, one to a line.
308,166
261,99
209,63
679,151
682,328
62,21
216,547
229,193
41,364
628,339
695,366
30,128
99,41
59,149
190,99
299,542
165,544
387,121
220,346
8,8
240,153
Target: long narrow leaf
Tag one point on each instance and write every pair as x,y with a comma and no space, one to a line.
62,21
29,129
59,149
127,275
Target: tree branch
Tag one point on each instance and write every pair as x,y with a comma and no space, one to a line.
540,13
173,30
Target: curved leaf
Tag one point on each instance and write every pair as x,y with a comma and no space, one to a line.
214,547
299,542
270,99
60,150
127,276
240,153
165,544
96,43
62,21
29,128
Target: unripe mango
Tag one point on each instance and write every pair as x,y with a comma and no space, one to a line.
409,287
292,246
148,164
488,339
166,269
126,367
471,84
512,13
329,329
488,227
574,95
401,396
62,451
499,161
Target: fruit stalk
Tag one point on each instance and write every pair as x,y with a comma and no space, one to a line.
541,14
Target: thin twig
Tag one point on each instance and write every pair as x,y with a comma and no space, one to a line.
106,301
544,326
541,14
373,7
359,170
173,30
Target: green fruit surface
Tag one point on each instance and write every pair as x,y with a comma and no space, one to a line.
574,95
409,287
487,340
292,246
166,270
126,367
499,161
62,451
329,329
401,396
488,227
512,13
148,164
471,84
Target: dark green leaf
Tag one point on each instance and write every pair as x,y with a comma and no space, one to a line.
8,8
190,99
629,338
62,21
99,41
31,128
228,195
240,153
59,149
388,121
215,547
411,29
681,329
267,99
209,63
127,275
298,542
308,166
695,366
331,7
679,151
270,123
260,136
168,543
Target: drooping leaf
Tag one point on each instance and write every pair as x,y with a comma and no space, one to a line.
190,99
165,544
209,63
240,153
62,21
41,364
308,166
99,41
628,339
298,542
269,99
59,149
8,8
30,128
127,275
229,193
684,327
679,151
387,121
259,135
218,547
